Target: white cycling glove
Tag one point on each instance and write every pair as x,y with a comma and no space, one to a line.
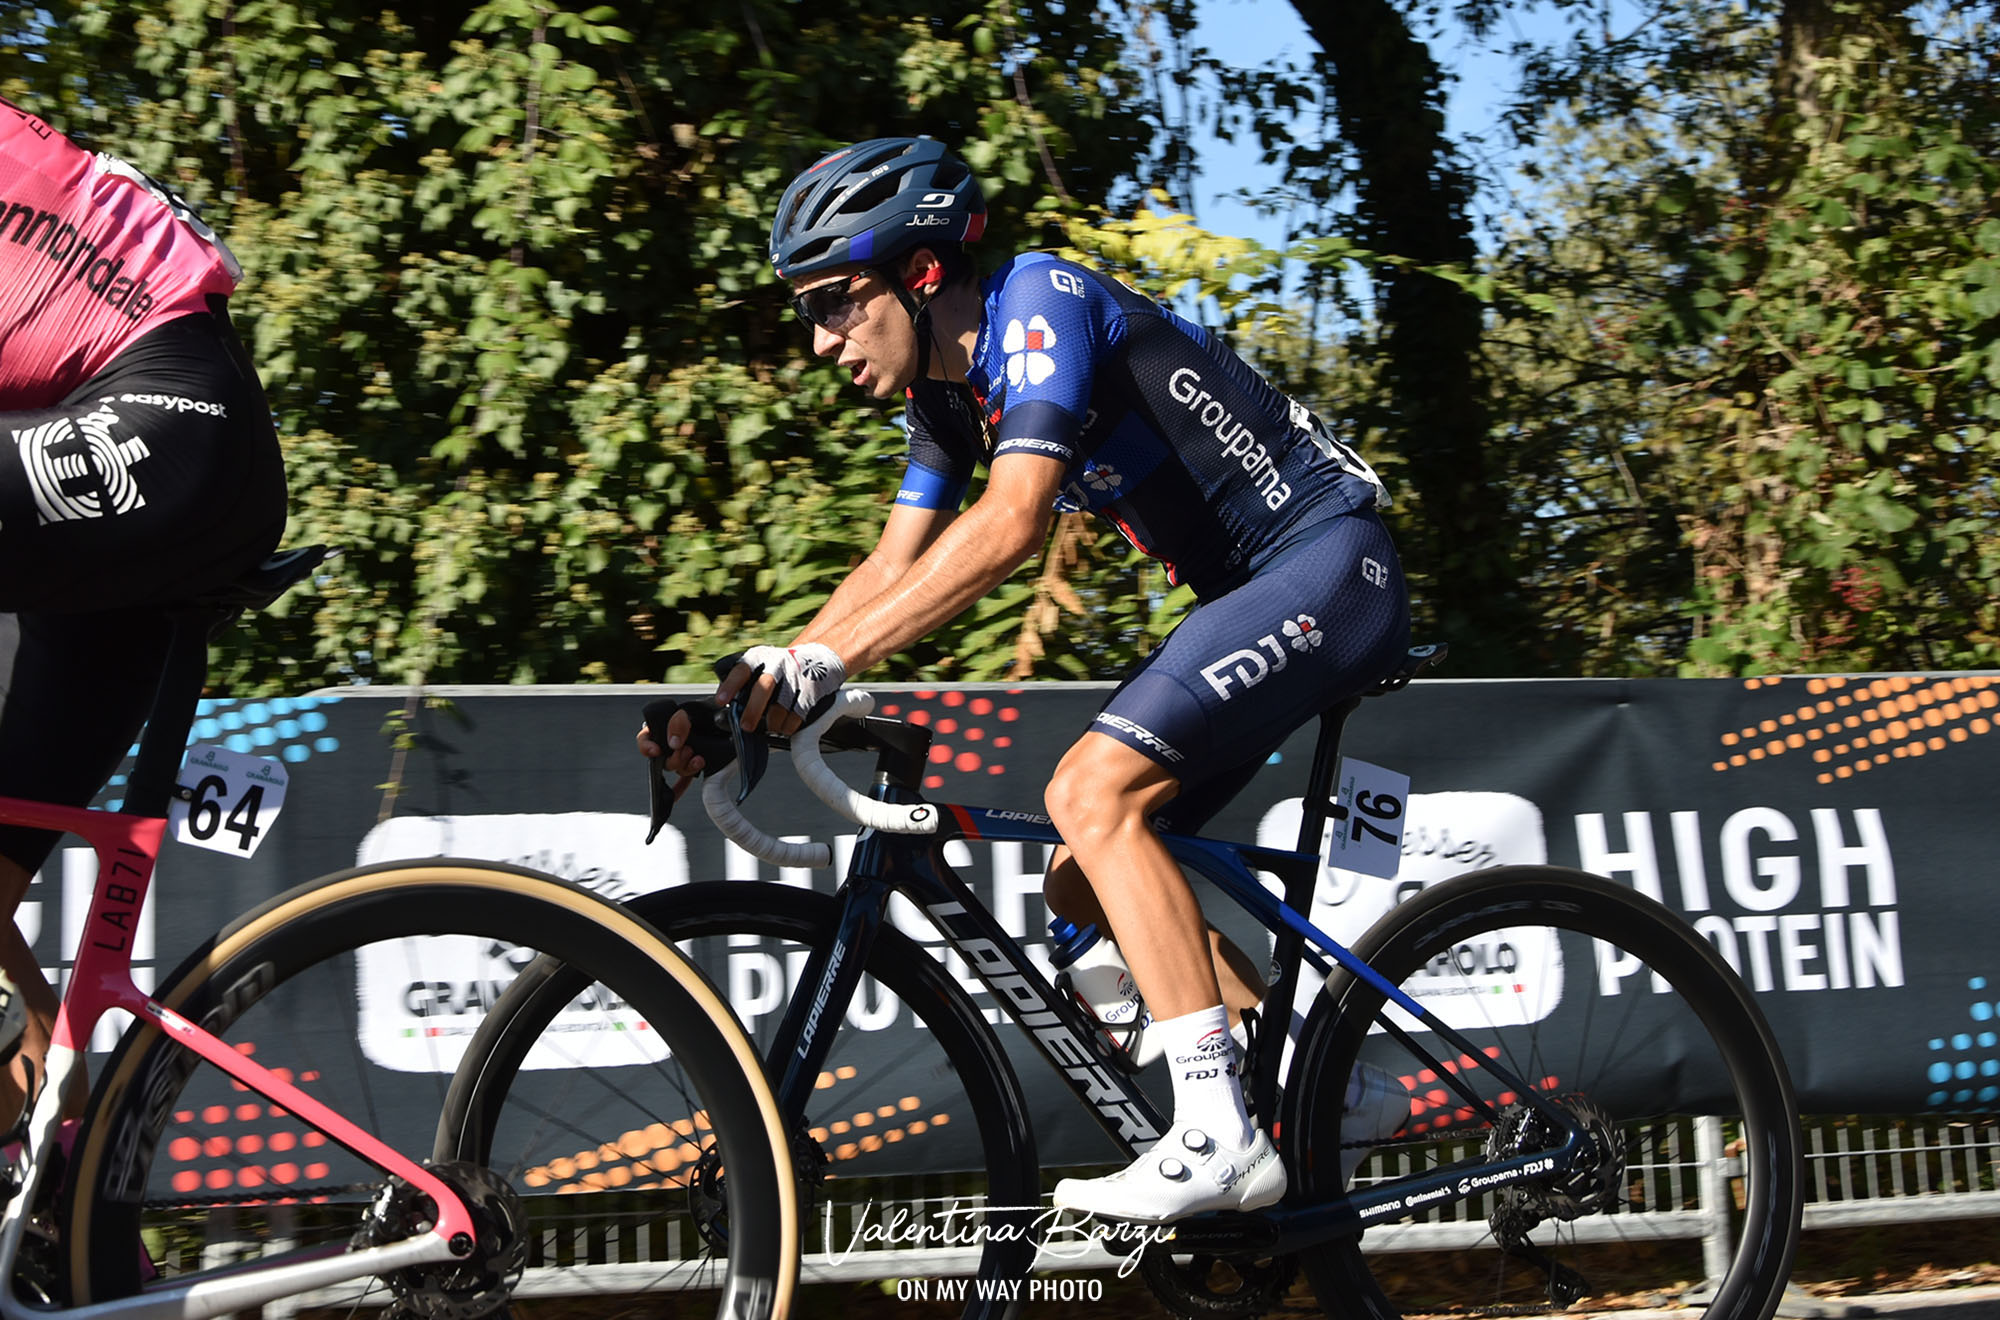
806,674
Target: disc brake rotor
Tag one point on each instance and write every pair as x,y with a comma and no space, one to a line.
463,1289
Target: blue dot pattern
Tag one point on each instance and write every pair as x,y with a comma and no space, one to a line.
1967,1068
289,728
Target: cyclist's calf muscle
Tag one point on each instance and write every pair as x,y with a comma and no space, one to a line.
1069,895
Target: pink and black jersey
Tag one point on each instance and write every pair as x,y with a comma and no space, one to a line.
93,255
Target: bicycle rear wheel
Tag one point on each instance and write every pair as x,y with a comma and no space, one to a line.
363,989
914,1080
1605,1001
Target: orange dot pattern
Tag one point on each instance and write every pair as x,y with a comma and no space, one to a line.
667,1154
212,1151
1852,726
970,731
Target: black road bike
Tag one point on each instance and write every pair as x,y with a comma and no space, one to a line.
1533,1078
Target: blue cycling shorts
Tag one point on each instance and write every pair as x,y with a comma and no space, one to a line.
1242,671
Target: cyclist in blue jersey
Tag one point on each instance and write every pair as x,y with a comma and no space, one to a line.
1074,392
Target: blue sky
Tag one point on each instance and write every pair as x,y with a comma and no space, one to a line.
1251,32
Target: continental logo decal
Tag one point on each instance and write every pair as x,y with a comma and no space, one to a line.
1852,726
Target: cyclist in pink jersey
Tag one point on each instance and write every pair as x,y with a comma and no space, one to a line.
138,467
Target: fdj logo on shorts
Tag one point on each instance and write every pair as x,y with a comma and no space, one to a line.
1248,667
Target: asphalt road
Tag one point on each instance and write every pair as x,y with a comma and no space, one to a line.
1976,1303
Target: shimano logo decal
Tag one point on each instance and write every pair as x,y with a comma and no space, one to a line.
1235,438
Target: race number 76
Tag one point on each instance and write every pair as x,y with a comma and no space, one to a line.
1368,820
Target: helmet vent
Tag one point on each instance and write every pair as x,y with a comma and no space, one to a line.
866,198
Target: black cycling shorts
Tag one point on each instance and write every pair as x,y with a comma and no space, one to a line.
157,480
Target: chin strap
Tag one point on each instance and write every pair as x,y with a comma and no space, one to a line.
920,313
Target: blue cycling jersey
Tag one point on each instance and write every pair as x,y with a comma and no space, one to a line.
1161,428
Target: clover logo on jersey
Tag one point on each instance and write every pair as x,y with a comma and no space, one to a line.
1305,632
1026,349
1104,480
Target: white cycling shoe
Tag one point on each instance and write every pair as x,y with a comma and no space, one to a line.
1378,1107
1186,1173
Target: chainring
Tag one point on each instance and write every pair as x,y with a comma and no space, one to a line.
1201,1285
463,1289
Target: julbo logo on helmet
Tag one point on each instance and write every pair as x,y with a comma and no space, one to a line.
872,202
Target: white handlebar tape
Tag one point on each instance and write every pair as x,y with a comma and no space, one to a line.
828,787
719,796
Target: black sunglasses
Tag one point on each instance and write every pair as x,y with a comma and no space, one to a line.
830,305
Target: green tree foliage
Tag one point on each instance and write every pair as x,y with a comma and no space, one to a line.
1412,202
1723,394
1769,400
506,281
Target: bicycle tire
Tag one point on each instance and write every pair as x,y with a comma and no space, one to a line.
263,983
708,922
1443,946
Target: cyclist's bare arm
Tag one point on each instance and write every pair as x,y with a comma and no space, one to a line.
962,559
975,553
907,534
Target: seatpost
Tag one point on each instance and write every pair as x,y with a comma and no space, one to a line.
164,742
1318,803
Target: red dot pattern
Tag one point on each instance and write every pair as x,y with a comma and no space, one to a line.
1433,1108
965,729
215,1151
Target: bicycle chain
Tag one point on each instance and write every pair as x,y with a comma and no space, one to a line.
324,1192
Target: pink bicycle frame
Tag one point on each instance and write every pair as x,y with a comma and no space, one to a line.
127,849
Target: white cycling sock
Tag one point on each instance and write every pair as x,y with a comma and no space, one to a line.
1208,1094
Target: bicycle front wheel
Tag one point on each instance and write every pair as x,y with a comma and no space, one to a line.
915,1136
363,990
1606,1003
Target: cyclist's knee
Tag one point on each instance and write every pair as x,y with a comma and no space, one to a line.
1094,795
1079,803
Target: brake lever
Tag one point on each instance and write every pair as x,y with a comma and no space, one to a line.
751,753
714,736
747,750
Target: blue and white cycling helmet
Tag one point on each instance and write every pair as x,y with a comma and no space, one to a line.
872,202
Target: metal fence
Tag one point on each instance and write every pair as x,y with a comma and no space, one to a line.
1859,1171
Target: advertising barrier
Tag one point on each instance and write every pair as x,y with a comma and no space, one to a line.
1826,835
